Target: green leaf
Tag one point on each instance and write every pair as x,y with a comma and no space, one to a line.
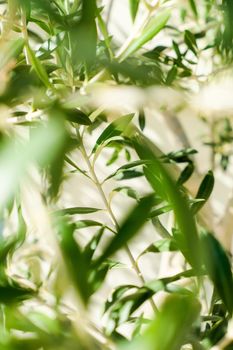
218,268
121,310
56,166
134,8
74,165
77,116
177,50
171,75
142,120
38,67
104,30
155,25
160,229
190,41
7,245
121,170
127,175
204,191
181,156
185,174
193,7
77,210
87,223
116,128
130,192
117,294
130,227
160,246
160,211
12,292
91,247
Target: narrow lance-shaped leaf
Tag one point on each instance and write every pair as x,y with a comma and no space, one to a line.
38,67
87,223
204,191
116,128
185,174
194,7
77,210
162,245
155,25
91,247
77,116
129,228
190,41
11,292
171,76
131,165
218,268
128,191
134,4
142,120
160,211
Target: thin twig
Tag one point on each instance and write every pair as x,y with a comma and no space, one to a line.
112,215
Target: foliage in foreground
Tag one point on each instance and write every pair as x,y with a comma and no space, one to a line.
54,57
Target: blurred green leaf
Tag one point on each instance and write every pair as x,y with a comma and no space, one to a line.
38,67
190,41
86,223
171,75
162,245
91,247
155,25
130,227
134,4
194,7
11,292
77,116
218,267
73,258
11,51
77,210
84,50
160,211
130,192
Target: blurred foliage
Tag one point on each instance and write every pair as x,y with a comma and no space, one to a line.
51,54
